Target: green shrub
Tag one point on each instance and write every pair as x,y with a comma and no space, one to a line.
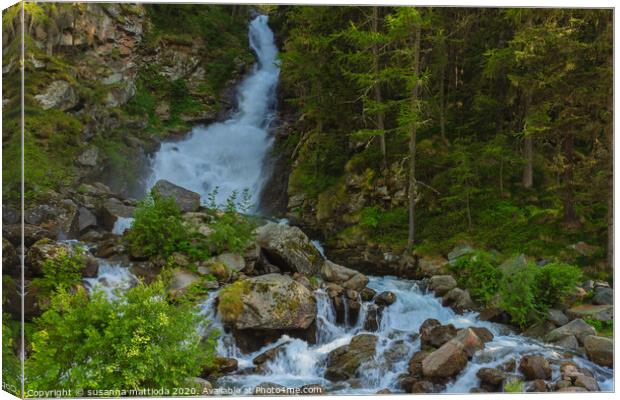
64,270
137,341
517,294
231,232
479,273
11,365
603,328
556,281
157,229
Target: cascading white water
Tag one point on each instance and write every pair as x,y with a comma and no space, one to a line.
301,363
229,155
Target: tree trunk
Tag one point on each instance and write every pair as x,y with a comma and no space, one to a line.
442,103
413,184
377,90
528,170
568,198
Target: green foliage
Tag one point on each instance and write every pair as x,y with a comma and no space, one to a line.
514,386
137,341
385,226
11,365
555,282
517,295
64,270
157,229
479,273
603,328
231,232
230,302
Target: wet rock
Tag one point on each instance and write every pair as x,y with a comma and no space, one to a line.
180,281
569,371
84,221
397,351
426,328
569,342
483,333
491,378
557,317
221,366
367,294
373,318
540,329
577,327
537,386
600,350
269,355
232,261
59,94
437,336
590,311
603,296
426,387
441,284
587,382
445,362
415,363
469,340
186,200
562,384
113,209
354,308
535,367
289,249
509,366
351,294
459,300
385,299
493,314
384,391
269,302
343,362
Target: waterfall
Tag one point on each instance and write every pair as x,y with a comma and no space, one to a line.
229,155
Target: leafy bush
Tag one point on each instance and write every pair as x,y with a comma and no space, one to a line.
603,328
11,366
385,226
479,273
231,232
157,229
137,341
556,281
62,271
517,294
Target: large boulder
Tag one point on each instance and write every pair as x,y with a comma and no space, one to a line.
437,336
186,200
441,284
41,251
535,367
445,362
180,281
472,339
459,300
267,302
346,277
603,296
577,327
32,233
557,317
289,249
430,266
603,312
10,259
113,209
85,220
600,350
344,362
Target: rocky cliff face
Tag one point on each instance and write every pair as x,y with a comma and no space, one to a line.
109,72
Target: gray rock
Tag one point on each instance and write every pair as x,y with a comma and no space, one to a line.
385,299
180,281
85,220
459,300
267,302
232,261
441,284
344,362
89,157
535,367
112,209
577,327
600,350
568,342
603,296
587,382
347,277
186,200
445,362
557,317
59,94
289,249
591,311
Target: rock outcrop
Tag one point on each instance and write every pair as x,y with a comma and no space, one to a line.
289,249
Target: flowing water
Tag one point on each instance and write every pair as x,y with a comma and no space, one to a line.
301,363
230,156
